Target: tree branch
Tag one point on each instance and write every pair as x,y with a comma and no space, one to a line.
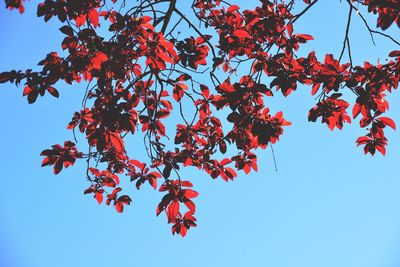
168,15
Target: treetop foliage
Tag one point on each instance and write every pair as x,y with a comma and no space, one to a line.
147,60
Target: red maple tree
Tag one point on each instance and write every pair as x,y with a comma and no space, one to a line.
152,63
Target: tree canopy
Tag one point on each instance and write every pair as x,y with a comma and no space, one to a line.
210,65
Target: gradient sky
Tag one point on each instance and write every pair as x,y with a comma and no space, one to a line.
327,206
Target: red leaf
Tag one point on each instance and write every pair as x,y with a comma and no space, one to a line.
89,190
183,230
363,140
173,211
356,110
241,33
125,199
315,88
47,161
94,17
183,77
58,166
119,206
109,182
189,193
289,28
388,121
153,183
138,164
182,86
395,53
99,197
233,8
305,37
156,174
225,161
94,171
247,168
27,90
98,59
115,191
178,93
53,91
205,91
186,183
80,20
381,149
117,142
190,205
230,173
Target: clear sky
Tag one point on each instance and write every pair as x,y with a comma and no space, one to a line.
327,206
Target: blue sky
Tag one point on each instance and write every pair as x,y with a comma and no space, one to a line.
328,205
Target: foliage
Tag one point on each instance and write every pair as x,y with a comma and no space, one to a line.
140,70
